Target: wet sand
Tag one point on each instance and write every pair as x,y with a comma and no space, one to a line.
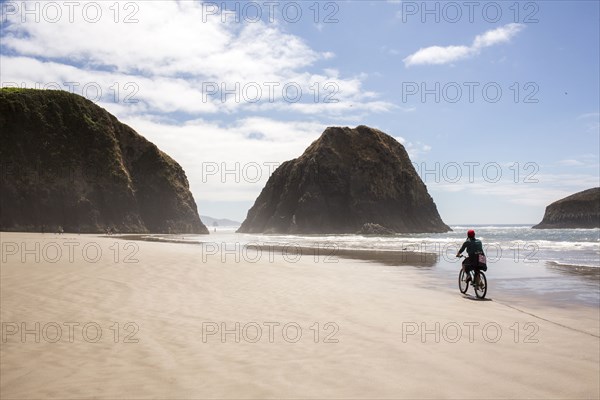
177,322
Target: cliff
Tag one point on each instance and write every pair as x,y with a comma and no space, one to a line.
580,210
67,162
345,179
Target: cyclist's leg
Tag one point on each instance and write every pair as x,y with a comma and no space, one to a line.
466,264
474,266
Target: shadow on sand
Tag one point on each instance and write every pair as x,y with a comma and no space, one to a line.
474,298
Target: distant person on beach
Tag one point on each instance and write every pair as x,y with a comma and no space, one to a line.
474,248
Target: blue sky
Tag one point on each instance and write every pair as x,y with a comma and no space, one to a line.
541,133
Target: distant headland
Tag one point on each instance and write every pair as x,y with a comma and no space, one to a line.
580,210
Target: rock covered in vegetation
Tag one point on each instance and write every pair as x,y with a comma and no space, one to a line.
68,163
345,179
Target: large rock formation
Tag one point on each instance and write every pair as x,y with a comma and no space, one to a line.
67,162
345,179
580,210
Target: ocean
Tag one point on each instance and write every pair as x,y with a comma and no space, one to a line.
518,243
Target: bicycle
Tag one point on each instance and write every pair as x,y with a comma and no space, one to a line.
481,286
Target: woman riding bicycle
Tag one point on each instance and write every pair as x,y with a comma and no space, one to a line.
474,248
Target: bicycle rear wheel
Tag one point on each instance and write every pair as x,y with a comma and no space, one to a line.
481,289
463,285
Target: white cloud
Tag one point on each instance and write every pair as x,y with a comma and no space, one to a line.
547,189
593,115
495,36
570,163
163,95
174,58
388,50
592,122
435,55
582,160
222,158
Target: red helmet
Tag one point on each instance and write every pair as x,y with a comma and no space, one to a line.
471,233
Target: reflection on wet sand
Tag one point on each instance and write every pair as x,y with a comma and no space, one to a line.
588,273
329,250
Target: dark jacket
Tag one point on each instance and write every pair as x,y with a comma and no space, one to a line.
473,247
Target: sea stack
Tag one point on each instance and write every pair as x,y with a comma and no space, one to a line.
345,179
69,165
580,210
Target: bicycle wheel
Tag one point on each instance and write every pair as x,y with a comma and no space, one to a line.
463,285
481,289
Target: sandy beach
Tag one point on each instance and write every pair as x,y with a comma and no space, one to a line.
102,317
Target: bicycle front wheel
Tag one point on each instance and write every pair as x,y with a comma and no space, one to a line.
463,285
481,288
